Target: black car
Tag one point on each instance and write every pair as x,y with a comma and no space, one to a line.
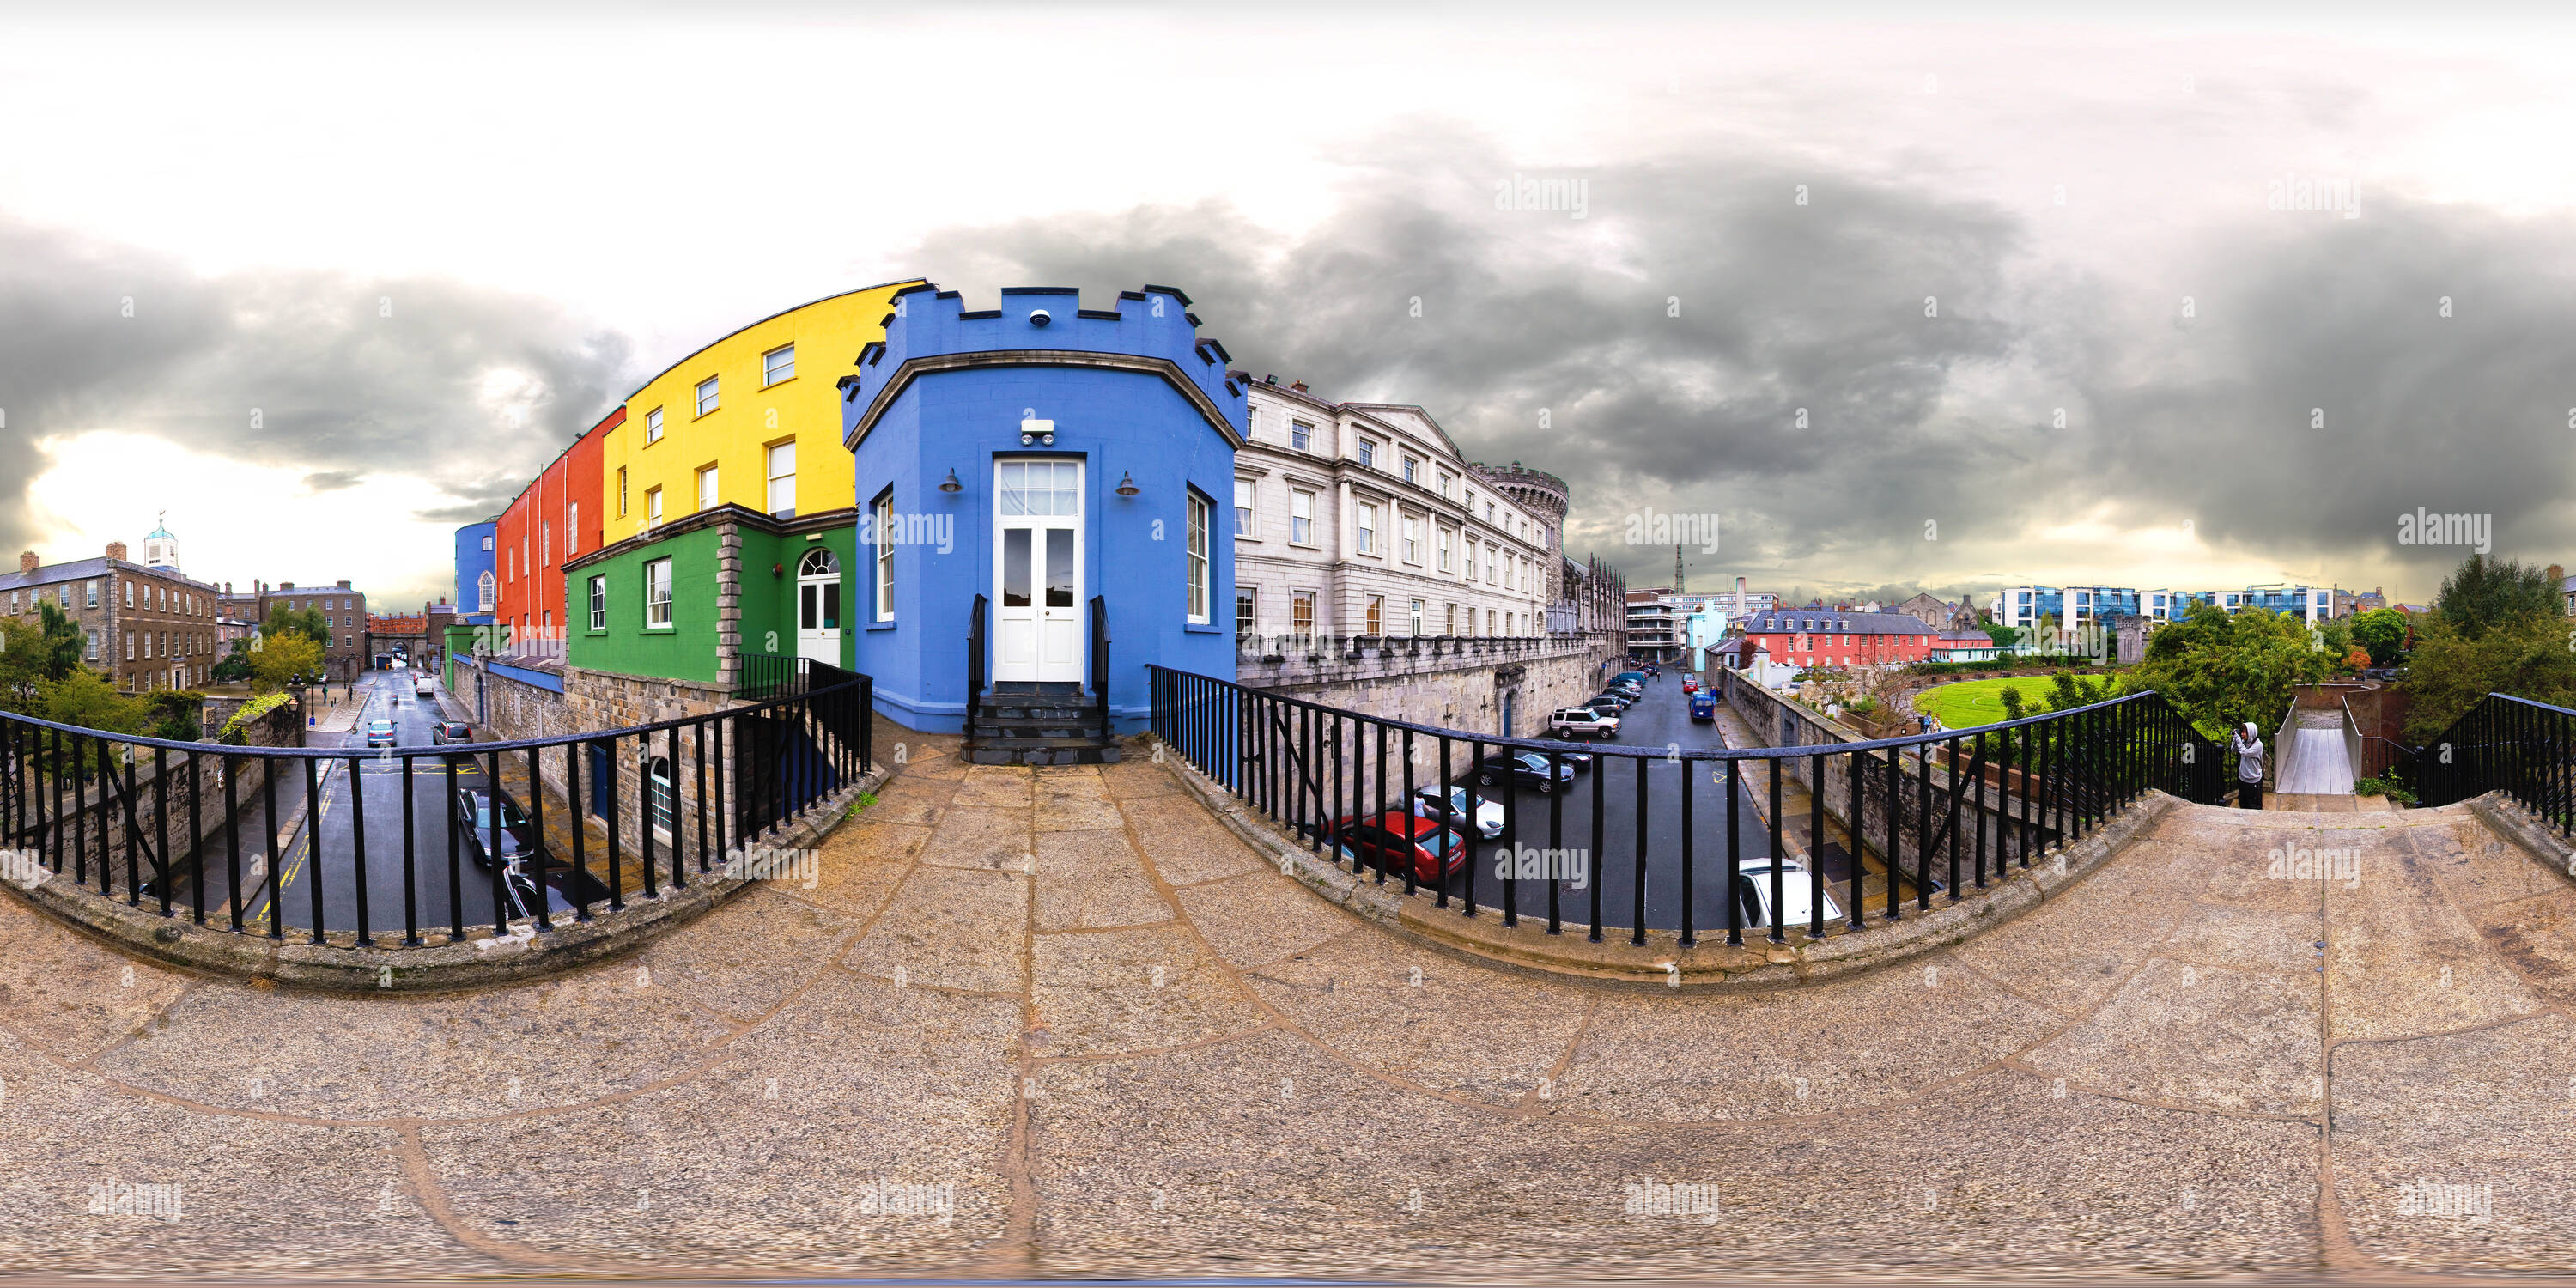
1610,702
474,822
565,888
1527,769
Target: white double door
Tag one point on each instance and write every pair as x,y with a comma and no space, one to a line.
1037,571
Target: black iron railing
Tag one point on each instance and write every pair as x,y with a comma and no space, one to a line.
1100,661
768,675
2525,749
1635,831
261,839
974,664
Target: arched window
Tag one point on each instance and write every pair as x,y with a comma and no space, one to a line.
662,795
483,593
819,562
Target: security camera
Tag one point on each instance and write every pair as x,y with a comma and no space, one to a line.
1038,317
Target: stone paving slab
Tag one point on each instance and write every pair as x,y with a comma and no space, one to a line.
1064,1022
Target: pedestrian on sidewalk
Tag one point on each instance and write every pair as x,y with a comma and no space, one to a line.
2248,746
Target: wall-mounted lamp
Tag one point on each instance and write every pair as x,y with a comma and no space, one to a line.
778,570
950,483
1127,484
1033,430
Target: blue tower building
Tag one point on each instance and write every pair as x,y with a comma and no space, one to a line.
1065,465
476,565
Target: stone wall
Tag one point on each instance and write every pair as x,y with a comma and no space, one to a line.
1991,808
1450,683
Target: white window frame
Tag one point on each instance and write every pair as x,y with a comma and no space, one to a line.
1373,617
1365,524
1301,523
780,484
709,395
572,529
657,598
710,489
1246,510
652,427
483,588
1301,436
1412,539
1445,543
1304,599
769,366
1247,597
1201,574
885,558
599,603
653,506
1365,451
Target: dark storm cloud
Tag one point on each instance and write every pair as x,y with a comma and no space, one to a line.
1822,307
331,375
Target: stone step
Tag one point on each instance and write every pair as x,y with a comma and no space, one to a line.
1040,751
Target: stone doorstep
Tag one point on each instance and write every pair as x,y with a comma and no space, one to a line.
1711,963
342,965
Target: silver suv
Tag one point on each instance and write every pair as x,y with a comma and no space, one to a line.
1583,722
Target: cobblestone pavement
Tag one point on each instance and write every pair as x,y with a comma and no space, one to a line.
1061,1022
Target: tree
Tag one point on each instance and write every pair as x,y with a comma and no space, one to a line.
308,622
176,714
286,659
2003,636
2221,670
2383,632
234,666
2482,594
84,698
2450,671
31,655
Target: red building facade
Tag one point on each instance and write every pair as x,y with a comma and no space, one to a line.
554,519
1827,638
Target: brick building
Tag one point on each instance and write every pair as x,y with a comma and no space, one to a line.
145,627
1832,638
343,609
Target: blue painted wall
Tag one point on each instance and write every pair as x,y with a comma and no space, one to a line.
1118,423
472,561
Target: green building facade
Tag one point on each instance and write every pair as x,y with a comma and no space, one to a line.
739,583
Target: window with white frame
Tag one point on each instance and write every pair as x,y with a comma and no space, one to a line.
1410,466
487,537
777,365
545,543
707,488
483,592
1413,615
1246,610
1243,508
1448,484
1452,627
885,557
1444,550
572,530
599,603
1301,517
653,427
1301,612
1412,540
706,395
1367,451
657,594
1197,554
93,646
782,479
621,500
1301,436
653,505
1367,528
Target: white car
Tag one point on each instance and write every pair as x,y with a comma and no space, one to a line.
1797,886
1489,814
1583,722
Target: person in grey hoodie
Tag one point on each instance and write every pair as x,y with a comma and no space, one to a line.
2248,746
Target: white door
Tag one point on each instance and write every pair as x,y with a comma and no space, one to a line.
1037,571
818,607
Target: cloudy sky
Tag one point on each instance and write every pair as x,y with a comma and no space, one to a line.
1955,306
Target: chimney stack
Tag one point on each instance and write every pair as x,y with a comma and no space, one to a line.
344,585
2557,577
116,550
1297,387
26,561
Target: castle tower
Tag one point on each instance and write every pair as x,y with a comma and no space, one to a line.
1542,494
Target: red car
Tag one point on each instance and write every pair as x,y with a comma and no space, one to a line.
1392,838
1690,686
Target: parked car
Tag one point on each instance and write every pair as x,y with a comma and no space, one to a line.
380,733
1704,707
451,731
1526,769
421,686
564,889
1797,890
1633,692
1614,703
1393,840
474,820
1458,802
1689,685
1636,677
1583,722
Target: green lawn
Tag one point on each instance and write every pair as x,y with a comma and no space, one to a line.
1970,703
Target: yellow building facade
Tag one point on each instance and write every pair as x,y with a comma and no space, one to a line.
753,419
